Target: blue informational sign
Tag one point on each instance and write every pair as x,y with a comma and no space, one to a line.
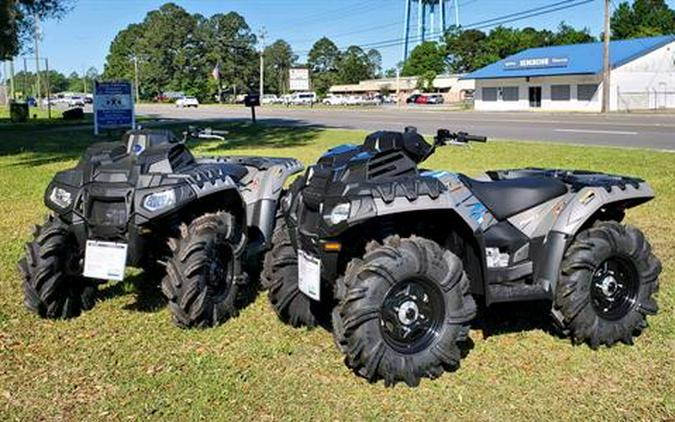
536,63
113,106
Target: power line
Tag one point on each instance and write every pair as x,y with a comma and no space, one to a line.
512,17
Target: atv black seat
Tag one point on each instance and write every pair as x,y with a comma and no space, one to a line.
508,197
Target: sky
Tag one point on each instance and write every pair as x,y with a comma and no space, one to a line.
82,39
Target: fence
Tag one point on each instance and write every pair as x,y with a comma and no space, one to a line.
646,100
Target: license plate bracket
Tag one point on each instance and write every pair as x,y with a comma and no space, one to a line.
309,275
105,260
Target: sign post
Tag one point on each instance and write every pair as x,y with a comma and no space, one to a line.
113,106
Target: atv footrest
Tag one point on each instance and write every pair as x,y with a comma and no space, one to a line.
516,293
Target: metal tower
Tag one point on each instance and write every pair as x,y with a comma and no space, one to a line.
431,17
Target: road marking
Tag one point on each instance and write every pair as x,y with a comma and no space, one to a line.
602,132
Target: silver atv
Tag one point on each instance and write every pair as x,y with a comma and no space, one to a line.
396,256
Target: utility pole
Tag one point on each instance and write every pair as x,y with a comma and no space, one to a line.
136,78
49,91
606,74
12,86
398,86
263,34
457,13
37,57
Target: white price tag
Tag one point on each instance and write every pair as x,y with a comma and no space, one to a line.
309,275
105,260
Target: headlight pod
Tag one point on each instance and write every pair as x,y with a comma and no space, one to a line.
338,214
61,197
159,200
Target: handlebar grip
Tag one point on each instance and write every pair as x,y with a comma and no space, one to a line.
474,138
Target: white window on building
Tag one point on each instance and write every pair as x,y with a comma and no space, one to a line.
510,93
560,93
489,94
586,92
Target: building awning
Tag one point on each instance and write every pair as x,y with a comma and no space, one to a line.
576,59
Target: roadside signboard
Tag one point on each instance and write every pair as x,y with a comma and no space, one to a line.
113,106
536,63
299,79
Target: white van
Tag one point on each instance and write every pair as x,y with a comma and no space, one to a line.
303,98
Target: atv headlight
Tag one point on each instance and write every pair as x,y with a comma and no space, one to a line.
159,200
338,214
61,197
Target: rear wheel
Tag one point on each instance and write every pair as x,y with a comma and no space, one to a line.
53,284
205,273
403,311
608,276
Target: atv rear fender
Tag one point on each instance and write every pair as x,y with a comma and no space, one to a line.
261,189
587,206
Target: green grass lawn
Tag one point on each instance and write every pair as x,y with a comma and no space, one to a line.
125,360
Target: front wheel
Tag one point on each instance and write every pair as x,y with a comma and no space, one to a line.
53,284
205,274
608,276
403,311
280,277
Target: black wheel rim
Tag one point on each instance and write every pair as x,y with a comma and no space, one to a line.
219,273
614,288
411,315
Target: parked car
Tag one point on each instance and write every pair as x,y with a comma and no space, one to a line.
187,102
269,99
75,101
422,99
334,100
389,99
304,98
412,99
435,99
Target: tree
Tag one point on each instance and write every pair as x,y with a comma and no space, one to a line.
25,82
230,44
354,66
568,35
177,51
375,59
75,83
429,56
390,73
279,59
643,18
17,22
468,50
323,56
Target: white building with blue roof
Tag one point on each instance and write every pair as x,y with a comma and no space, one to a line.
569,78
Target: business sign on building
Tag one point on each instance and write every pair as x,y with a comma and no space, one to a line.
299,79
536,63
113,106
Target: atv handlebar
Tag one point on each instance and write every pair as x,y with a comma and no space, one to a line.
444,136
203,133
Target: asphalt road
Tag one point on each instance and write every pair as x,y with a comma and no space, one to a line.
656,131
